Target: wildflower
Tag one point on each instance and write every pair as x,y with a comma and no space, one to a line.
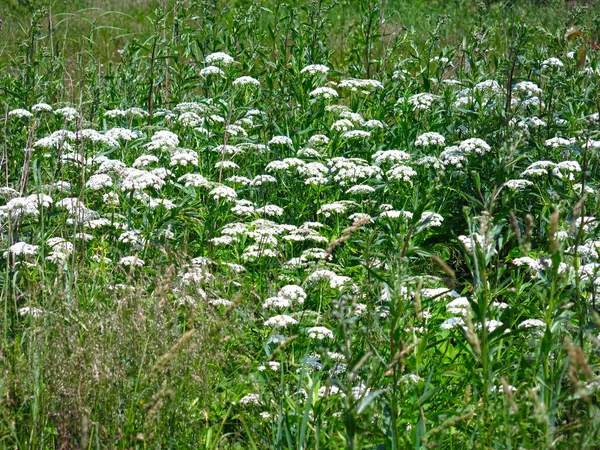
219,57
324,92
97,182
313,69
280,321
136,179
320,333
557,142
318,140
401,172
211,70
20,113
430,139
527,88
41,107
394,156
518,185
246,81
280,140
364,86
194,180
421,102
22,249
360,189
452,322
131,261
70,114
292,292
474,145
250,399
183,157
223,192
356,134
342,125
532,323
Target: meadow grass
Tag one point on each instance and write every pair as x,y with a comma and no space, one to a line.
325,225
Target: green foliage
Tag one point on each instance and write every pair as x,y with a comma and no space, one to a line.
222,250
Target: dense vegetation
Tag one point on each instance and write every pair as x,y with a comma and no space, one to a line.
353,224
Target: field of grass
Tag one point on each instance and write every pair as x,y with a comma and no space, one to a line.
349,224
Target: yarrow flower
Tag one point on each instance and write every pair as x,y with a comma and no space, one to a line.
320,333
219,58
280,321
421,102
313,69
280,140
324,92
474,145
430,139
246,81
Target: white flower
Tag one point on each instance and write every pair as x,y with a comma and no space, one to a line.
183,157
30,311
320,333
331,208
532,323
280,140
131,261
360,189
518,185
557,142
394,156
324,92
277,303
250,399
431,219
245,81
20,113
362,86
342,125
97,182
401,172
356,134
219,57
430,139
145,161
211,70
474,145
270,210
452,322
374,124
22,248
315,68
224,192
527,88
194,180
163,140
292,292
421,102
136,179
41,107
259,180
490,86
552,63
318,140
68,113
280,321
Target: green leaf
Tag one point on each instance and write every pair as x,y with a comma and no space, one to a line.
367,400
